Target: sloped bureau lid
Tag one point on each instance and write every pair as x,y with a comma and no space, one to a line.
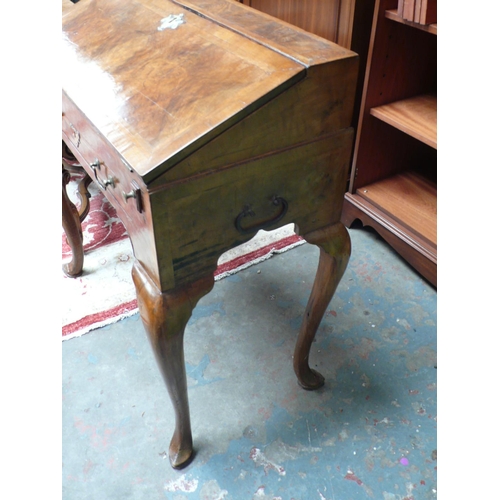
159,78
293,42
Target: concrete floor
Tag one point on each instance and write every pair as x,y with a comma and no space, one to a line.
370,432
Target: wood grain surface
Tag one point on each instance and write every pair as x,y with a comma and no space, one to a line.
159,95
151,92
410,198
416,116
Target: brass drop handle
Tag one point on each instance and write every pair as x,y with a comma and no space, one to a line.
247,211
95,165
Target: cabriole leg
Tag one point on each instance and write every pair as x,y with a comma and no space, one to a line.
73,230
335,250
165,316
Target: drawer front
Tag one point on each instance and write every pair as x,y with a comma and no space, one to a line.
120,184
198,219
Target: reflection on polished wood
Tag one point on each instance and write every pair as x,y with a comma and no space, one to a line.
200,134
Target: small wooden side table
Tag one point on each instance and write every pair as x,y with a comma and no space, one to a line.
203,121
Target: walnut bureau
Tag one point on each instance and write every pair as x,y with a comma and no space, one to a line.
203,121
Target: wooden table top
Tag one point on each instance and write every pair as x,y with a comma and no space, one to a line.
159,92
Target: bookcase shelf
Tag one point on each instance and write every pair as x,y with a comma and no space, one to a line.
393,15
411,199
416,116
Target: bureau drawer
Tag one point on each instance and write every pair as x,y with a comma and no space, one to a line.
199,218
121,185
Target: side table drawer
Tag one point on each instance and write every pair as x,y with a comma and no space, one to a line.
121,185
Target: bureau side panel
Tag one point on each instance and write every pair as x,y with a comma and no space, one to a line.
320,104
196,218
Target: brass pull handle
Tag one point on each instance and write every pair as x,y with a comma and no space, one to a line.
277,201
130,194
135,192
76,134
95,165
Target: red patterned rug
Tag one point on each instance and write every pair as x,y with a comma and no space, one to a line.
104,293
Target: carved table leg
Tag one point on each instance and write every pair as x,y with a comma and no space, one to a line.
84,196
335,250
73,229
165,316
71,164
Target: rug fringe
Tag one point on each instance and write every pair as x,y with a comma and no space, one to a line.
105,318
258,260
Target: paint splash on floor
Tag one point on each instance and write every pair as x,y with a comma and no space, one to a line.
182,484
